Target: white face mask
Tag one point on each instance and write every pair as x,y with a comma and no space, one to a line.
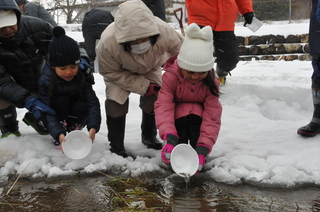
140,48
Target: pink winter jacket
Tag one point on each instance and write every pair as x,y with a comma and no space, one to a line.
178,98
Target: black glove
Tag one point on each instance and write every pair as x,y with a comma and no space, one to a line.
248,18
202,151
172,139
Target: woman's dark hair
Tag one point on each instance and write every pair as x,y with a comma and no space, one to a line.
153,40
210,82
55,80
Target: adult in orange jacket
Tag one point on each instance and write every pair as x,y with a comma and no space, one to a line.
221,16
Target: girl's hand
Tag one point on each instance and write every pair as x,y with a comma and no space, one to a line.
172,141
92,134
166,153
62,138
202,151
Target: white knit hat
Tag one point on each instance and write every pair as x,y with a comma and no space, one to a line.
196,52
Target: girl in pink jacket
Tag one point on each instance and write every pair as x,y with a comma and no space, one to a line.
188,106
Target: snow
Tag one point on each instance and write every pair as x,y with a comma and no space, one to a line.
264,103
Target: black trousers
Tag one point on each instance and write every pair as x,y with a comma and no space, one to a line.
188,129
225,49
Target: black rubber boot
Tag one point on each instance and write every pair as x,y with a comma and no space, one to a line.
38,125
149,132
313,128
116,130
8,122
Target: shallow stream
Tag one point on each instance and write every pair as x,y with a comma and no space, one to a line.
160,193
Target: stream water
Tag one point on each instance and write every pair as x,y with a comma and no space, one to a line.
165,193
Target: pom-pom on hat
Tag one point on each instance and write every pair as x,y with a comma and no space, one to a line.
63,50
19,2
196,52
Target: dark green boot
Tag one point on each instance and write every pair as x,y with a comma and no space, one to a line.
38,125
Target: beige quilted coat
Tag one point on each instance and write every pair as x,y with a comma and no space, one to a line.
126,72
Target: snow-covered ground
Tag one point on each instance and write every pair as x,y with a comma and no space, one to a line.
264,103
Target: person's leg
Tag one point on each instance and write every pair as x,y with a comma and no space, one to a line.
181,125
194,129
226,53
77,117
116,122
148,124
62,112
313,128
188,129
8,120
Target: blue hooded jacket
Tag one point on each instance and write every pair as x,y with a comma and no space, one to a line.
82,104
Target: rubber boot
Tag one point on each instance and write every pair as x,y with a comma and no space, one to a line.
149,132
116,130
38,125
313,128
8,122
222,76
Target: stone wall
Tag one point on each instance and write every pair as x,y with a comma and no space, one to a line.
274,47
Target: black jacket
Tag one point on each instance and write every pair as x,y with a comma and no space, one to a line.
157,7
94,23
83,105
22,57
36,10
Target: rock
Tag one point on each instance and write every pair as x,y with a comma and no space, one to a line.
279,49
243,50
293,48
304,38
240,40
292,39
291,57
255,50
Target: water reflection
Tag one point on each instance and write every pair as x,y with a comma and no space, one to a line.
91,193
198,195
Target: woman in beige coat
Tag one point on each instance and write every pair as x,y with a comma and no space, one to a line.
131,52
